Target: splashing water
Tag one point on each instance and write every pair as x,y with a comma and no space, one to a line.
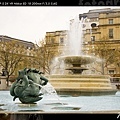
49,90
74,42
75,36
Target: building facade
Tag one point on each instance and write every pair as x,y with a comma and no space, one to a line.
56,40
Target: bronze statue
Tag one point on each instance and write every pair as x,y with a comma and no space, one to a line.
28,85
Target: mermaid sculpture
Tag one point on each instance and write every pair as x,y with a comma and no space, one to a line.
28,85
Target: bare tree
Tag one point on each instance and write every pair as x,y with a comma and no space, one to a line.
105,51
117,60
44,56
11,54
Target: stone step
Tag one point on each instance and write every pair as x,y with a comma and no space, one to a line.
66,84
83,88
78,80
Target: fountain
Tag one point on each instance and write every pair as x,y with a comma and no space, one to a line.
77,84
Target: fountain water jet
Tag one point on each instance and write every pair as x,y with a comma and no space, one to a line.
77,84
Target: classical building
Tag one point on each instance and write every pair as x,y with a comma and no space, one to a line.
27,44
101,22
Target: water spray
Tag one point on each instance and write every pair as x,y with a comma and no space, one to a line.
48,91
45,89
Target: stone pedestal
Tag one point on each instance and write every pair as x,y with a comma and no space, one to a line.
3,84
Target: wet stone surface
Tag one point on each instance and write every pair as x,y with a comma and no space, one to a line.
65,108
56,104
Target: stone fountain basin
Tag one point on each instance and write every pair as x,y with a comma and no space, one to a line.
77,59
82,85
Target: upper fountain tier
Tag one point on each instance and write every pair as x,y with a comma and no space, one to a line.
77,59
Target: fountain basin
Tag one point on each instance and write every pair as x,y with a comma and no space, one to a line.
79,85
77,59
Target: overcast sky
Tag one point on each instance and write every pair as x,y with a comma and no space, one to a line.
31,23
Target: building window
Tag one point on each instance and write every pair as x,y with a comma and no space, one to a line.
111,71
110,33
29,48
61,40
52,41
110,21
92,38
